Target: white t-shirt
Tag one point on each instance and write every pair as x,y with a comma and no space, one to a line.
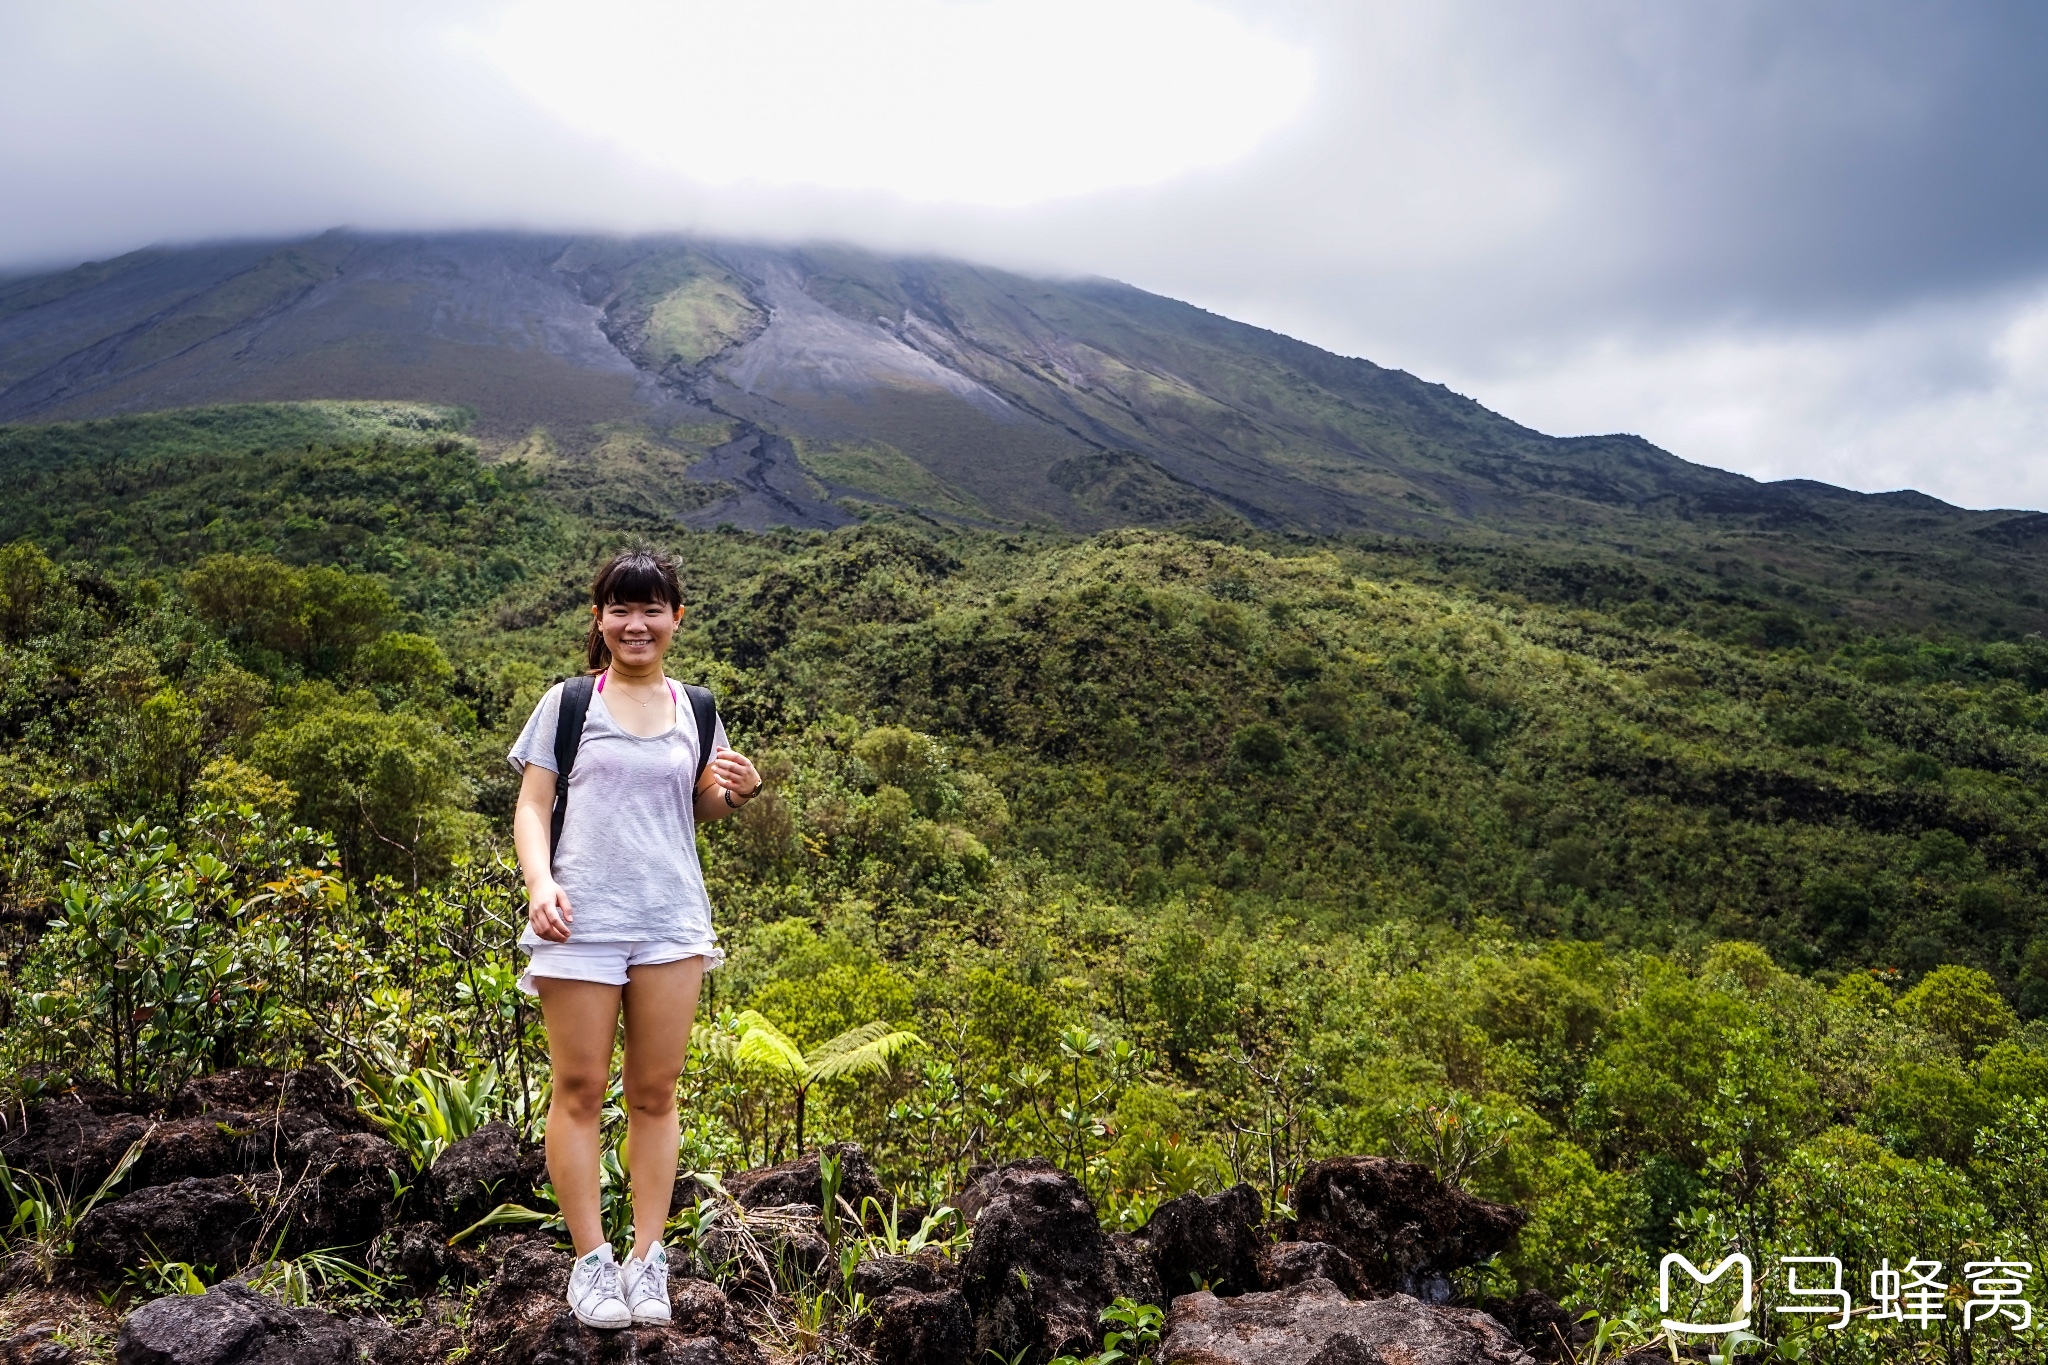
628,852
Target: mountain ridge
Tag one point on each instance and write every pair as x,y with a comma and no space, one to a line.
795,385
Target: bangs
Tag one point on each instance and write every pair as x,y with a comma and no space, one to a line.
636,578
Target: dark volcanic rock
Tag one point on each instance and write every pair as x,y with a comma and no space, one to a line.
1137,1269
490,1167
1212,1242
212,1222
916,1312
1040,1270
929,1271
314,1092
522,1320
71,1139
341,1194
1287,1263
796,1182
1405,1229
910,1327
181,1149
240,1122
418,1256
35,1347
231,1324
1314,1324
1541,1324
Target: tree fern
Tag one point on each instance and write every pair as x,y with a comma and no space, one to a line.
867,1050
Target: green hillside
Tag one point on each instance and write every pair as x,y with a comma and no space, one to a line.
752,385
1685,913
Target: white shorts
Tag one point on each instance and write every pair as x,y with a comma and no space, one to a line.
605,962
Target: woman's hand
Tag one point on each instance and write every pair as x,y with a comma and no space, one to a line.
735,772
547,910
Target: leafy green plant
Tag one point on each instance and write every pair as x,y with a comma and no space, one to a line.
1136,1329
296,1280
503,1216
43,1215
867,1050
1453,1138
424,1111
943,1228
157,1279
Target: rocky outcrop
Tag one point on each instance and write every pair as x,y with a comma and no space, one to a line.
491,1166
1137,1269
1210,1242
522,1320
240,1122
213,1222
928,1272
1040,1270
1313,1323
77,1138
1405,1229
313,1095
231,1324
909,1327
1288,1263
797,1182
418,1257
341,1188
1541,1324
36,1346
337,1193
916,1313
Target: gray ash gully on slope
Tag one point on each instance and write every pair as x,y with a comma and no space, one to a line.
770,488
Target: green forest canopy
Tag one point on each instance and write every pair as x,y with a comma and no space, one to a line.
1684,912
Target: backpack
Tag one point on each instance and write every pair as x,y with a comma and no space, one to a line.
576,695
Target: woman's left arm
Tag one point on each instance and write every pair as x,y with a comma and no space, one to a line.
729,782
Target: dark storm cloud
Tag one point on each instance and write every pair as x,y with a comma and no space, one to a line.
1814,154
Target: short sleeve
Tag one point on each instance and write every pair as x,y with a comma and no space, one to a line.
536,743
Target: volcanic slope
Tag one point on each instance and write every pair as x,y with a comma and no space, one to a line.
791,385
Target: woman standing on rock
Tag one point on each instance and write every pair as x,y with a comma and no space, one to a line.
617,915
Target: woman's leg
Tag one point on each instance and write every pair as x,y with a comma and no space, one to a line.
583,1020
661,1002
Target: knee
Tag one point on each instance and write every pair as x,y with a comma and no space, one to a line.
580,1099
651,1099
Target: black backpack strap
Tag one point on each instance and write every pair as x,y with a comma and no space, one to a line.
568,737
704,707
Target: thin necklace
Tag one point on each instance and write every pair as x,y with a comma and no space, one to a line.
623,685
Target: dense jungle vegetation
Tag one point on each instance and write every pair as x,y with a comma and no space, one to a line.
1682,919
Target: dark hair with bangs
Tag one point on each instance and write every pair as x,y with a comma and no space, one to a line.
632,576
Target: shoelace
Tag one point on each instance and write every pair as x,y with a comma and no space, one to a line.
652,1274
606,1277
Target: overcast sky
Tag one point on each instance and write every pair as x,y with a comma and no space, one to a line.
1791,237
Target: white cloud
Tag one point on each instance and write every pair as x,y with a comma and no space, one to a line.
992,102
1729,227
1950,399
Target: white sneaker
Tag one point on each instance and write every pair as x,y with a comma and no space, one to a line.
647,1286
595,1296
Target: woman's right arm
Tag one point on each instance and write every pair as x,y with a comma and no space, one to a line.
547,905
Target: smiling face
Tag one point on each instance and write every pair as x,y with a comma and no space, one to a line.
638,633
